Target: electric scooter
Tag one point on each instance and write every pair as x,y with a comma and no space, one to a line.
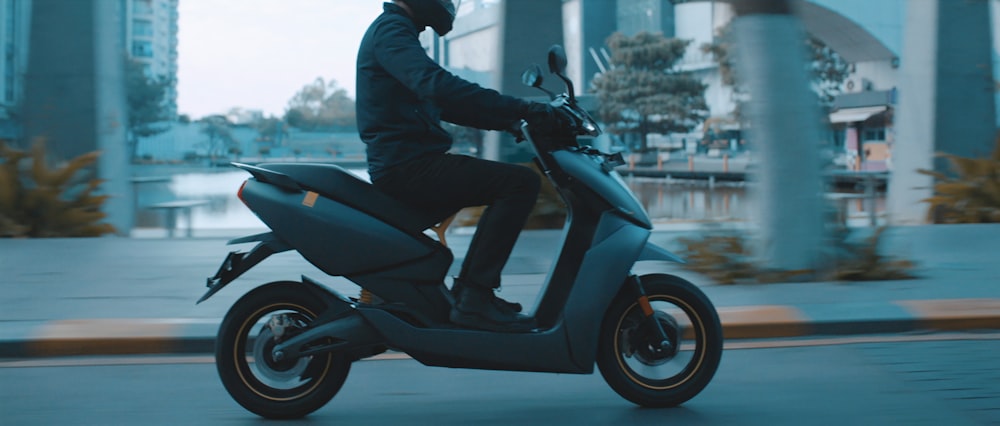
284,349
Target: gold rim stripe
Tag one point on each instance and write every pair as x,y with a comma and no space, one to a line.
700,332
237,354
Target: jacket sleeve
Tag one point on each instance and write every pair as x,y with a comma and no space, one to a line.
399,52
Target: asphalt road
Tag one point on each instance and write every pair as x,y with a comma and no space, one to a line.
943,381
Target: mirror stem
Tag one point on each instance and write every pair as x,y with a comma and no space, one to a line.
569,87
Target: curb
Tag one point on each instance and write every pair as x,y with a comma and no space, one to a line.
188,336
124,336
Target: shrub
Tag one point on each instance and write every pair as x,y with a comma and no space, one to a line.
971,194
39,201
726,259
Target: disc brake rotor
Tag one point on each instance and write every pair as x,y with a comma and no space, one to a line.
278,328
642,340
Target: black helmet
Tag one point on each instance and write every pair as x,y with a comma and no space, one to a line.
437,14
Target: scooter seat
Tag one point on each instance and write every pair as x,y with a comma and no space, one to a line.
334,182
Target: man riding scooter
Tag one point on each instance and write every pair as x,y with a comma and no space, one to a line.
402,95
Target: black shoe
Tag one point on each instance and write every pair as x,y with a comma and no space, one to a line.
476,308
503,305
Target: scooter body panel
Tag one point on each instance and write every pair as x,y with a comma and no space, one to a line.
339,239
606,183
605,269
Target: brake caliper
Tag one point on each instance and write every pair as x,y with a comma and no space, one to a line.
279,325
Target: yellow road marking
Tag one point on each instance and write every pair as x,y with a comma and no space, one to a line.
74,337
756,322
955,314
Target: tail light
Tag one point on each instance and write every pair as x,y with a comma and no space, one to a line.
239,194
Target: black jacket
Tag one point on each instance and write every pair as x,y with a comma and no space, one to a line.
402,96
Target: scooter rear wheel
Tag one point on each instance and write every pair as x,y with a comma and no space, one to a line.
274,389
633,362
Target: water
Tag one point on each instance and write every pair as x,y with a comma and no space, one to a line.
689,201
665,201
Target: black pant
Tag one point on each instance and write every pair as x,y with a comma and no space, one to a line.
443,184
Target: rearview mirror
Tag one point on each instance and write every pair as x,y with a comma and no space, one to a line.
532,77
557,65
557,60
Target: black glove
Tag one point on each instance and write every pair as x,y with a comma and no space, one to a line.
546,119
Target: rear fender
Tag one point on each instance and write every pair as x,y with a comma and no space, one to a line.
236,263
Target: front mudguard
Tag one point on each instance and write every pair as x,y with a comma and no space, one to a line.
654,252
607,266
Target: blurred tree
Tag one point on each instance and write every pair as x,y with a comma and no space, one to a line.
145,97
220,136
321,106
271,131
827,69
643,92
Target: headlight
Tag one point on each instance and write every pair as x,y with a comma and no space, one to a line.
590,128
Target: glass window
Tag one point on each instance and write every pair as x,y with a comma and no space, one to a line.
142,7
877,134
142,28
142,49
467,6
639,15
9,77
11,21
472,50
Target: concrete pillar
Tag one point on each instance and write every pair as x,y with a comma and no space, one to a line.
75,91
785,131
597,22
946,98
527,29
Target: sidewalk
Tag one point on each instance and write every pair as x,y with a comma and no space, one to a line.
133,295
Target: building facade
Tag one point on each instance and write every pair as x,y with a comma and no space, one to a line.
867,35
492,42
150,36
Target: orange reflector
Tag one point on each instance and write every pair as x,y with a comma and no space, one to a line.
310,199
647,310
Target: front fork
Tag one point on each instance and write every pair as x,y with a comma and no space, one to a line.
660,340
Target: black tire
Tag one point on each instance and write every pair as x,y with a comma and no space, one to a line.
255,385
624,362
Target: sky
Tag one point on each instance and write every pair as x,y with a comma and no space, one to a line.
256,54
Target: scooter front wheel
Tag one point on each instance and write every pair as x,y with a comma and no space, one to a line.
643,367
275,389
